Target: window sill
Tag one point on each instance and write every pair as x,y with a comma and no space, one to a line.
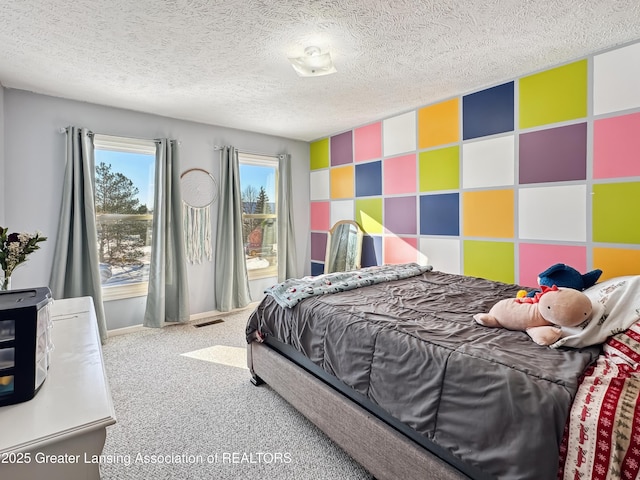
259,273
120,292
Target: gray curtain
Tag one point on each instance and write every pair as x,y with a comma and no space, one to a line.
231,280
76,265
168,296
287,259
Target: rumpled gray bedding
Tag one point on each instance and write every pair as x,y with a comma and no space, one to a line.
491,397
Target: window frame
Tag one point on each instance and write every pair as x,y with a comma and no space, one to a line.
271,162
124,145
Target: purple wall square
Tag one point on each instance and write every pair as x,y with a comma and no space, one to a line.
342,148
318,246
400,215
554,155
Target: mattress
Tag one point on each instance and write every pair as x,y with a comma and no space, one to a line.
489,397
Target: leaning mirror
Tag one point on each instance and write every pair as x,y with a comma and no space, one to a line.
344,247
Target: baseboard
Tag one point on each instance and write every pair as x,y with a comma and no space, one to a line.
124,330
192,318
217,313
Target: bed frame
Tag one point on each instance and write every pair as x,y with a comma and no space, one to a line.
370,440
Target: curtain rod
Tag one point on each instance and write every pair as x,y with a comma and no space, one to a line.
261,154
91,134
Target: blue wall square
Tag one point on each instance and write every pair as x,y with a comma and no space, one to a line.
440,214
317,268
488,112
369,179
371,251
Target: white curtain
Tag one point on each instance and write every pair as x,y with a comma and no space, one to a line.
231,280
76,265
168,296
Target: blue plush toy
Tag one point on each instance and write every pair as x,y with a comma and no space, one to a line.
563,275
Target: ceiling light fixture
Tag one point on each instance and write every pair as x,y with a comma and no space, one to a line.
313,63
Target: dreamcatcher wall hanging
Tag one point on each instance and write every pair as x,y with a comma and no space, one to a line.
199,191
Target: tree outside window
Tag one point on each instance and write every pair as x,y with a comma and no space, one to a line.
124,211
258,180
123,224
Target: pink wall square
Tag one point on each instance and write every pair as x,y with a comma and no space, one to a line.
320,213
616,147
368,142
400,250
536,258
399,175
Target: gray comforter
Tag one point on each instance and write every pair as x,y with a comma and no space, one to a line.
491,397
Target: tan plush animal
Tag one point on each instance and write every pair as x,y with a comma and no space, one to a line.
541,317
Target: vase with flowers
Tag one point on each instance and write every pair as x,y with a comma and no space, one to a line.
14,249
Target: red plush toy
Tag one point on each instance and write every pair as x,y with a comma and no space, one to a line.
542,316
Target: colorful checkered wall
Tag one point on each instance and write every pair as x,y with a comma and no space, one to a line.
499,183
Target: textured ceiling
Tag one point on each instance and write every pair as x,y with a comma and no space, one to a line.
225,62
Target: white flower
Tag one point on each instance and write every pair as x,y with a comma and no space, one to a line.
15,247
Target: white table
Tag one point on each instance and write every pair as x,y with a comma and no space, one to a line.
61,431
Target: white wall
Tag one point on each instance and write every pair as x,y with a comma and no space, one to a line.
34,167
2,175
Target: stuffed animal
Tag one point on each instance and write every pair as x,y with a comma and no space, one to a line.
563,275
541,317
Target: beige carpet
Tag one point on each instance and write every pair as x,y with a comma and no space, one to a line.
186,410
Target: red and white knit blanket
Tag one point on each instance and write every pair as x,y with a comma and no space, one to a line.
602,436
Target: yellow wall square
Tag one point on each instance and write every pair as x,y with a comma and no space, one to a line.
439,169
369,214
488,213
319,154
438,124
341,179
492,260
554,95
615,213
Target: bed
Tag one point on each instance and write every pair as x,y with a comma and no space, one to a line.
399,374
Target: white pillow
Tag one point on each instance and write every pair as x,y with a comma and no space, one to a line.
616,307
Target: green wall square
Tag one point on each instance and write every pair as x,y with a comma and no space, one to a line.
439,169
554,95
319,154
615,212
369,214
492,260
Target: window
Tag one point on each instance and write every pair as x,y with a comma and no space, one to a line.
258,184
124,179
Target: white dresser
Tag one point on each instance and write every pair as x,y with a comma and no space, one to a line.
61,431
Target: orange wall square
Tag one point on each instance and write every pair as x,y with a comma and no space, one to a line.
488,213
438,124
616,262
341,179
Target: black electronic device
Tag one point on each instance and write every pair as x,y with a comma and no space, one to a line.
25,343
